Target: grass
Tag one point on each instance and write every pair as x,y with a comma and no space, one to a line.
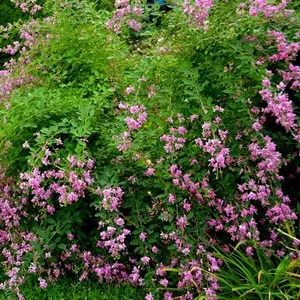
259,277
70,290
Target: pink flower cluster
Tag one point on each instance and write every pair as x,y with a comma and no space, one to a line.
113,237
281,213
278,102
136,123
112,198
252,191
11,49
39,187
239,217
237,220
215,146
285,51
125,13
28,6
198,12
175,140
191,275
14,75
184,182
266,8
138,117
14,242
280,106
291,75
66,181
270,159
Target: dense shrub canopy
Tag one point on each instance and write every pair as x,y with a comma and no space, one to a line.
148,146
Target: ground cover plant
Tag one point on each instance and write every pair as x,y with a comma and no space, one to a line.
152,148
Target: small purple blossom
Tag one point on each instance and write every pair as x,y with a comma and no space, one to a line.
143,236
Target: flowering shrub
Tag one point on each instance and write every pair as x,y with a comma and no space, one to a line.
125,14
199,11
29,6
132,159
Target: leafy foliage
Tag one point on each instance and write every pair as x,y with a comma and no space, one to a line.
261,277
135,142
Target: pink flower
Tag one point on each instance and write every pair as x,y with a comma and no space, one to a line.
187,206
70,236
134,25
249,251
168,296
181,222
172,198
266,82
129,90
182,130
143,236
145,260
256,126
194,117
26,145
154,249
50,209
43,283
112,198
149,172
164,282
218,108
149,297
119,222
198,12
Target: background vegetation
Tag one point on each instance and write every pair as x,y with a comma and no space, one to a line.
149,149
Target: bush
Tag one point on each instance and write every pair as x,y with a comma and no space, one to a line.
8,12
131,149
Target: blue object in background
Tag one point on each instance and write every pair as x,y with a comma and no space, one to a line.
161,2
163,5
